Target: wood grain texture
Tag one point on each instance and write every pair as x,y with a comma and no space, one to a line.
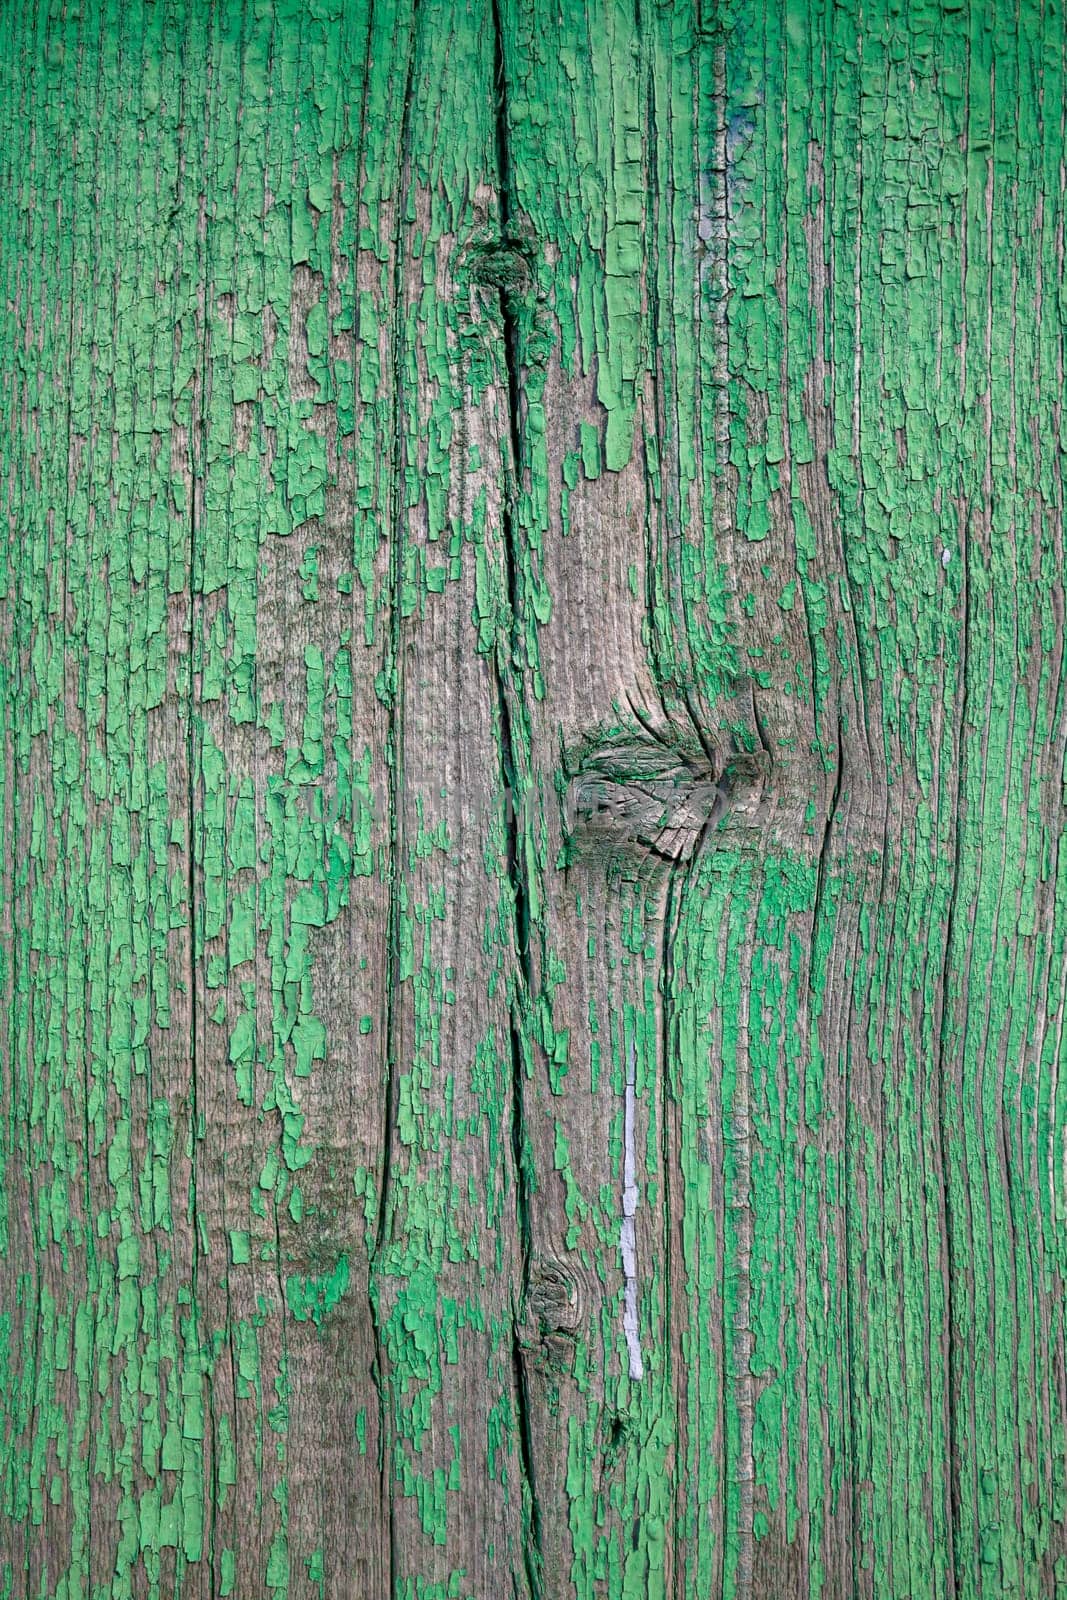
533,770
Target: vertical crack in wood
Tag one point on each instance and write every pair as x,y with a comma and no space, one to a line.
955,1263
822,867
515,818
714,235
394,721
737,1351
396,523
848,1218
197,442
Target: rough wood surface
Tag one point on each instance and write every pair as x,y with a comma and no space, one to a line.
533,770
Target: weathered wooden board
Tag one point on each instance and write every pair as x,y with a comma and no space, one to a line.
533,770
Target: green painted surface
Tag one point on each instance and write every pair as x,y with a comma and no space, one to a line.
532,779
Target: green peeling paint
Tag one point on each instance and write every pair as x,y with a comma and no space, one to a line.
532,778
316,1297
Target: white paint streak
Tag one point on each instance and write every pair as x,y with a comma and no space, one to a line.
628,1233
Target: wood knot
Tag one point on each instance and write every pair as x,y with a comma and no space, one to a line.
553,1315
632,793
504,266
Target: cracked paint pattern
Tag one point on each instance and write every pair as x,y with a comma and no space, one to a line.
532,778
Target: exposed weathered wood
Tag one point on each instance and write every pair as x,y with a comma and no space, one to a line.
532,785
